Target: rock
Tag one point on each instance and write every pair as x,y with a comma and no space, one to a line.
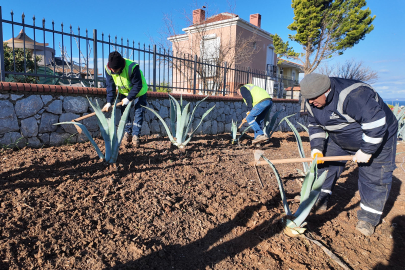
221,128
14,97
47,121
214,127
57,139
164,112
75,104
155,127
4,96
44,138
34,142
13,140
46,99
29,127
8,118
91,123
67,117
145,130
55,107
28,106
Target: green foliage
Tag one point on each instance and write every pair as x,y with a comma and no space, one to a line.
311,188
163,87
234,132
325,28
299,142
183,121
19,64
400,115
111,134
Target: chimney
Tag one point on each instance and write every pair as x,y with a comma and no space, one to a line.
198,16
256,19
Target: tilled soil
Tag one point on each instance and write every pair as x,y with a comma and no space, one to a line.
161,208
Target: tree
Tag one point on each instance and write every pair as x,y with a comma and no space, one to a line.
19,64
324,28
351,69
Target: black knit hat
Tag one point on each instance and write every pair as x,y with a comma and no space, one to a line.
314,85
115,60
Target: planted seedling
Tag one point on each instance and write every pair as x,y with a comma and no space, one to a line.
183,121
111,134
234,132
311,188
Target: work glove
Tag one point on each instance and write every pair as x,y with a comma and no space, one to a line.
361,157
315,153
125,101
107,107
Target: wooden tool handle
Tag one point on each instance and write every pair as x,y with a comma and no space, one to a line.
295,160
91,114
241,124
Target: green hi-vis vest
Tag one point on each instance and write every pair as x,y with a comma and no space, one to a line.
258,94
123,81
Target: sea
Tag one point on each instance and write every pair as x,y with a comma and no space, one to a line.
394,102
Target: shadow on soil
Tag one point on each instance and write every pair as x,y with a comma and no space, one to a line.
199,254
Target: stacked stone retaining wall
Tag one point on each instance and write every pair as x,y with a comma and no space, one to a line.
28,113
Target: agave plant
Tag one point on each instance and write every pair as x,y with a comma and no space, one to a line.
234,132
183,121
400,115
111,134
299,143
311,188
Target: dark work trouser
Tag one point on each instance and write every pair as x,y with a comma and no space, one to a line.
134,121
375,178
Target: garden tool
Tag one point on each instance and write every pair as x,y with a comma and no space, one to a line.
79,130
244,120
258,153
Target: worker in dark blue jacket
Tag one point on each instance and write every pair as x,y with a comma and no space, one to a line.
125,75
349,117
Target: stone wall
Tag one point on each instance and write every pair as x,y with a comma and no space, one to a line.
28,112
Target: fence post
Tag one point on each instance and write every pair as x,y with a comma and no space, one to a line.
95,57
195,74
248,72
2,69
154,68
224,88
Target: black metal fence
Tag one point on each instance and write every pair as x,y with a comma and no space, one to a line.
42,54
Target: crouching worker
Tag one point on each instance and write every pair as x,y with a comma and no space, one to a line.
128,78
359,123
259,103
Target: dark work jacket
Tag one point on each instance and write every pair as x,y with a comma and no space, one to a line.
355,117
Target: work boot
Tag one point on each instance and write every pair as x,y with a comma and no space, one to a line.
260,138
365,228
321,204
126,140
135,141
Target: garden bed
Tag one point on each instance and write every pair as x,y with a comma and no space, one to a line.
160,208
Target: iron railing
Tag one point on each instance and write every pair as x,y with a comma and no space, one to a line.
71,57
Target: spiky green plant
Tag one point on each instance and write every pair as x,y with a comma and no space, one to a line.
400,115
183,121
311,188
299,143
234,132
111,134
304,127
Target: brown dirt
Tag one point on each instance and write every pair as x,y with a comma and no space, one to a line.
61,208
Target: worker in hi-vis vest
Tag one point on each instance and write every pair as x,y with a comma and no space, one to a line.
259,103
126,75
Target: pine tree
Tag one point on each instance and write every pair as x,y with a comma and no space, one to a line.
324,28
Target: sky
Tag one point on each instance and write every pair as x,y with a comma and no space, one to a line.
142,21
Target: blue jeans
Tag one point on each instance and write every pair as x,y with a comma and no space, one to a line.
256,116
375,178
133,123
